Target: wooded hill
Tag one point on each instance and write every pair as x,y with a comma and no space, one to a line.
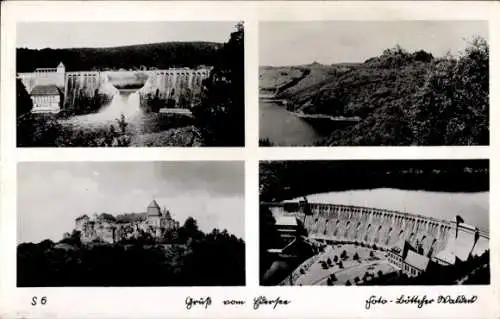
280,180
403,98
159,55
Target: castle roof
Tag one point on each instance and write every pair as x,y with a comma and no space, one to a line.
44,90
154,204
154,209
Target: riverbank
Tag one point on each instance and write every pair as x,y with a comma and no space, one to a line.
318,119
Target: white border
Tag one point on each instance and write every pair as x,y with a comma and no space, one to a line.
316,302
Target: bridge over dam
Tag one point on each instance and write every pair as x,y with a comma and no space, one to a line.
440,240
180,85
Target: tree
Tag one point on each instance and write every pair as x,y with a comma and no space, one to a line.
333,278
341,265
220,115
348,283
452,107
372,254
356,256
380,273
343,255
356,279
23,99
335,259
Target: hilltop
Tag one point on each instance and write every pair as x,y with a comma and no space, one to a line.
402,98
159,55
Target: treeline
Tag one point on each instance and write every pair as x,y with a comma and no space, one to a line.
281,180
158,55
193,258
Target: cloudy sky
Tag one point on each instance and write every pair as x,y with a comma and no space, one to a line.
295,43
39,35
52,195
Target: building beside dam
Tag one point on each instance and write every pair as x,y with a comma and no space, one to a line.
108,228
412,242
45,87
46,99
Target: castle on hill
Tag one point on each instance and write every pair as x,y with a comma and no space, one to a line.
108,228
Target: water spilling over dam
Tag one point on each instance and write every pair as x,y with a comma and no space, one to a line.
121,104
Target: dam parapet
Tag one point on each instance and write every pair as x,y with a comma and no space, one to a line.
438,239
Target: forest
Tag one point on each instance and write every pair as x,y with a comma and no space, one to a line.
156,55
185,257
280,180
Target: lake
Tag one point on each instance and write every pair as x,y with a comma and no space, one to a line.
283,128
472,207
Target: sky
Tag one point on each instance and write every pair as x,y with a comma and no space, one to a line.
52,194
304,42
39,35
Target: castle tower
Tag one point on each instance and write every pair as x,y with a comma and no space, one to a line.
154,214
166,214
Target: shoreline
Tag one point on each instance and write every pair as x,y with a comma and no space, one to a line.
283,102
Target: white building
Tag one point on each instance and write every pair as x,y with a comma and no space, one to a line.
415,264
46,99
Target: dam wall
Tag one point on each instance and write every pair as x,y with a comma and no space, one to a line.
86,84
181,86
385,228
174,88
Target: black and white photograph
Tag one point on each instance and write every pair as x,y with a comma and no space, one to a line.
374,223
373,83
120,84
130,224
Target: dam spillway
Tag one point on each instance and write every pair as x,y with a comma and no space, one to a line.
439,239
182,86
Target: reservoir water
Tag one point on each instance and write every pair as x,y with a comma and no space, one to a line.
283,128
472,207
